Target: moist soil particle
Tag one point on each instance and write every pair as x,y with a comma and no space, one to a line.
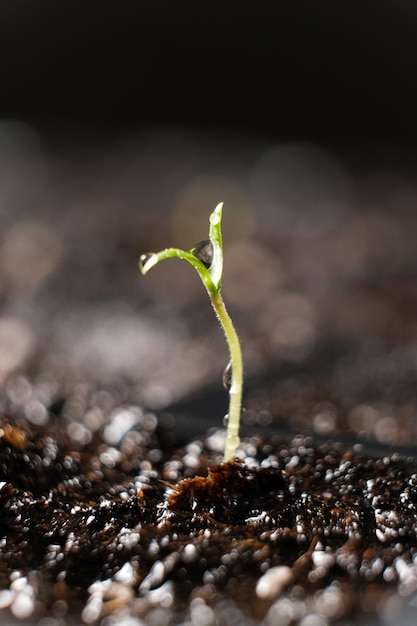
90,531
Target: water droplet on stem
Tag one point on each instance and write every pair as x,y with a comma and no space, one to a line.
232,442
227,376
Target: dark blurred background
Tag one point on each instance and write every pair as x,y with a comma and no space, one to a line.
326,70
122,125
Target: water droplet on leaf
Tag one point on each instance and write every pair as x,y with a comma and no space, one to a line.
216,216
227,376
147,261
226,420
204,252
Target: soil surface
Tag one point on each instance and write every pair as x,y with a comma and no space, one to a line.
291,529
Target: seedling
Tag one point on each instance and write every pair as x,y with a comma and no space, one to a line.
207,258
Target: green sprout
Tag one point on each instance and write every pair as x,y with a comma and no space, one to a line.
207,258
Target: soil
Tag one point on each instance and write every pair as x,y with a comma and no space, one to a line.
290,529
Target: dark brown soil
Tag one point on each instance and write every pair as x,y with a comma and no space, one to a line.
292,528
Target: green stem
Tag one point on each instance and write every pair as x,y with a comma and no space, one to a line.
235,391
211,277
